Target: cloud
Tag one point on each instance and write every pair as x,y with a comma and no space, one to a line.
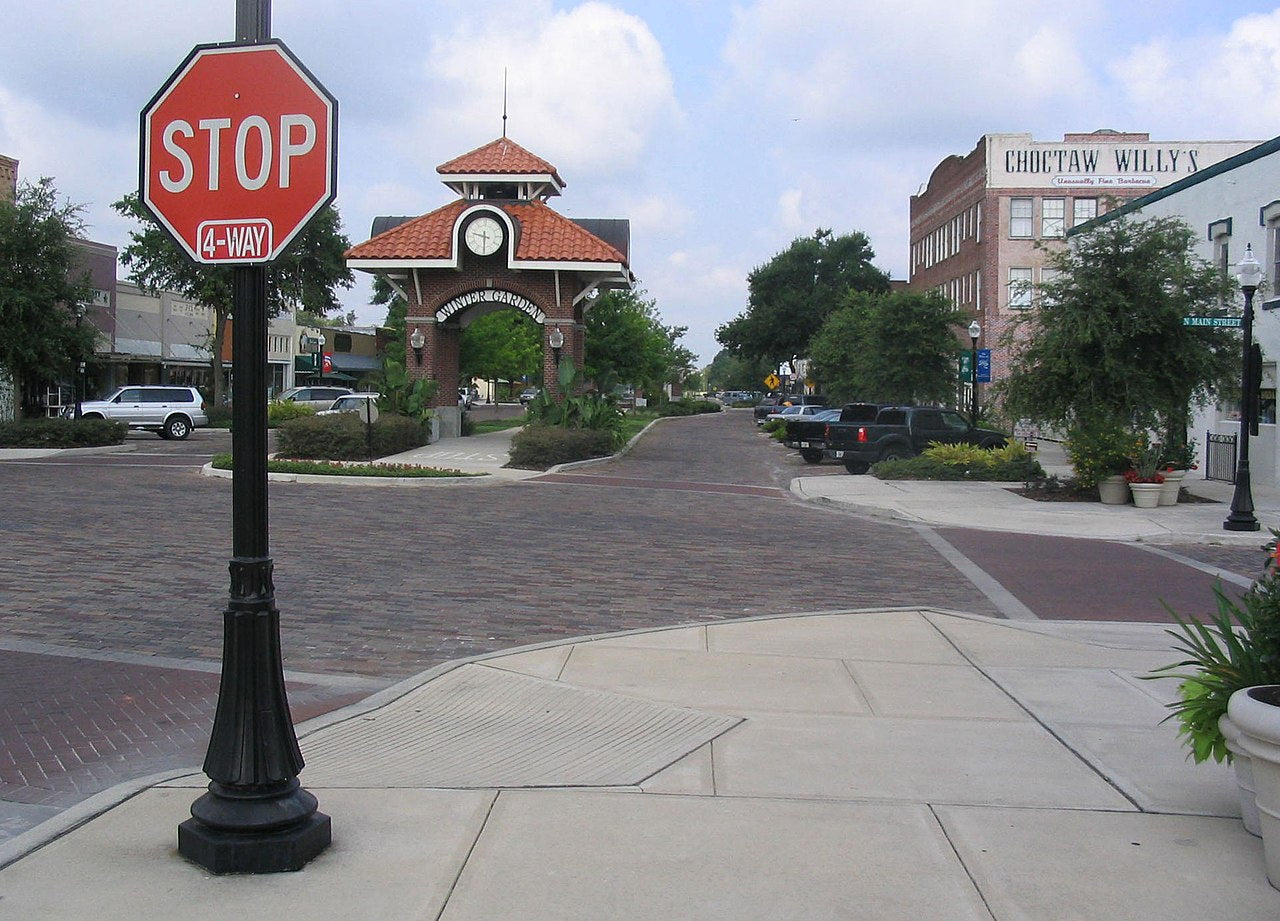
1225,85
588,87
789,214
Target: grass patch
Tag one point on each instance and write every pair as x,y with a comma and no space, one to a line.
497,425
338,468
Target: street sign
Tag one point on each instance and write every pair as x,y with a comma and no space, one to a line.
1215,322
239,152
772,381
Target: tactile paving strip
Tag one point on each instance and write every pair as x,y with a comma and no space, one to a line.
482,727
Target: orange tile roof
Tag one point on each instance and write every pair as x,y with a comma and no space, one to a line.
545,236
503,156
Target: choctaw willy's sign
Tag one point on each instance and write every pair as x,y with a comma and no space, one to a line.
1017,161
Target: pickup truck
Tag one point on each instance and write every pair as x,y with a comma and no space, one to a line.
809,435
900,432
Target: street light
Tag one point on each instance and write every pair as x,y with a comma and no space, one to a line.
556,341
320,359
975,330
80,309
417,340
1241,517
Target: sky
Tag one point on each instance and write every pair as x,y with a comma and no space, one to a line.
722,130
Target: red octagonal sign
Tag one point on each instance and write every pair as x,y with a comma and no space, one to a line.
239,151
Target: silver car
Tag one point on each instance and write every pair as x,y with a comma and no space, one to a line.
170,412
315,397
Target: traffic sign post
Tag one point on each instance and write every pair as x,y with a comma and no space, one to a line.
238,154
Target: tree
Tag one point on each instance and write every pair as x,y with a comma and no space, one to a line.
503,344
1108,349
889,348
397,313
303,278
789,297
39,288
626,343
729,372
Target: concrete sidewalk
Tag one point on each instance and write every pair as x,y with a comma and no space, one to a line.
892,764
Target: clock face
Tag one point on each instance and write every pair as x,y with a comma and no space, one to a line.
484,236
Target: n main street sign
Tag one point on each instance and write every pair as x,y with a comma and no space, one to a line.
239,152
1215,322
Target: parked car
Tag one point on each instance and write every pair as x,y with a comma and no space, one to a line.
528,395
170,412
351,403
316,397
775,401
807,433
467,397
793,412
903,431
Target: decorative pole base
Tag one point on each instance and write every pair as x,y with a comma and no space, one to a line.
284,850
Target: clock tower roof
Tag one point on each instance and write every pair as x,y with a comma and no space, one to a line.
501,169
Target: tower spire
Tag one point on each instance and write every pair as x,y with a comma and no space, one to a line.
504,102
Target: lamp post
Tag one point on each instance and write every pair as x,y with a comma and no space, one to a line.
556,341
319,340
80,308
975,330
417,340
1241,518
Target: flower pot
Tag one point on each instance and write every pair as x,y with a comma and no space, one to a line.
1113,490
1146,495
1171,486
1242,764
1256,713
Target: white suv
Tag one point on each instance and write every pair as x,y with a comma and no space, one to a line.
170,412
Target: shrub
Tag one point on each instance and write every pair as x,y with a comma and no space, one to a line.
278,413
540,446
220,416
1010,464
689,408
62,433
342,437
773,426
337,468
1100,450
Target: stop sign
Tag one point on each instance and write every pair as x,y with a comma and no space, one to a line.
238,152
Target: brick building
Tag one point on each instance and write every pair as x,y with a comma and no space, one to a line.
8,178
979,226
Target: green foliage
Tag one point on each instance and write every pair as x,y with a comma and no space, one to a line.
1179,457
689,407
284,411
791,296
1009,464
39,285
400,396
504,344
895,347
61,433
304,277
775,428
338,468
592,411
627,343
1100,450
1238,647
342,437
1108,342
539,446
731,372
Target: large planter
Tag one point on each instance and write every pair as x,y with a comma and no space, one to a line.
1172,485
1242,764
1146,495
1256,713
1113,490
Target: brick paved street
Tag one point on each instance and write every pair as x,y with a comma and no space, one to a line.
108,561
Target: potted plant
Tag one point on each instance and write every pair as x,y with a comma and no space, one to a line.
1238,647
1176,461
1145,478
1099,452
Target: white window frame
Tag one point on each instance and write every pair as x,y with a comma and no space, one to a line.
1081,215
1020,288
1269,217
1053,225
1016,220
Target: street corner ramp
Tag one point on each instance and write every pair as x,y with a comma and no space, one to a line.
477,726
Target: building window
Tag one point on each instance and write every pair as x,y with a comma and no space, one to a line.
1053,217
1047,279
342,342
1086,209
1270,218
1220,235
1020,217
1019,288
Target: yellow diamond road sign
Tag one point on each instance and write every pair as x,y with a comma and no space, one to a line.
772,381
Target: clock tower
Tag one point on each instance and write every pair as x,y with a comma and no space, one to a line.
497,246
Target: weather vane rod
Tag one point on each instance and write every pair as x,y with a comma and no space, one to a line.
504,102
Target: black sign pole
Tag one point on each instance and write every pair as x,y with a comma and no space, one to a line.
256,818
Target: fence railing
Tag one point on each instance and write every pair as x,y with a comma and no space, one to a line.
1220,457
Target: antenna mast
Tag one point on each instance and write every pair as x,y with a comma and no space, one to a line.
504,102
